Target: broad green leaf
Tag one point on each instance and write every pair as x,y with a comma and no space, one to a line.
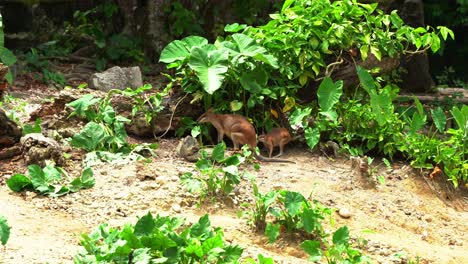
194,41
254,81
210,67
90,137
4,230
18,182
212,243
293,202
196,130
332,115
202,227
195,248
235,105
460,116
272,231
329,93
38,178
108,114
312,248
376,51
51,173
364,50
82,106
312,136
310,220
180,49
341,236
142,256
396,20
287,4
232,169
244,45
298,115
6,56
87,178
444,31
264,260
145,225
366,80
382,106
289,103
435,42
233,28
439,118
218,152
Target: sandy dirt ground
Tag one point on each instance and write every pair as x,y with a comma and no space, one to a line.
402,217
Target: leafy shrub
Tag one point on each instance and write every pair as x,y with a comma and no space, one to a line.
4,230
301,43
288,211
50,180
36,128
159,239
305,35
35,62
217,175
105,136
339,251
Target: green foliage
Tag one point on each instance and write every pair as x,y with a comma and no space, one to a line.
6,56
182,20
159,239
289,211
4,230
217,175
35,62
339,251
51,180
104,136
36,128
305,34
449,152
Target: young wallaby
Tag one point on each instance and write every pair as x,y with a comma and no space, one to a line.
278,136
238,129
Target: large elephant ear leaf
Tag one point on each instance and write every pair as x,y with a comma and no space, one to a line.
210,66
179,50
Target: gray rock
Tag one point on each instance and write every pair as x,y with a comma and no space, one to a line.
37,149
344,212
116,78
176,208
188,149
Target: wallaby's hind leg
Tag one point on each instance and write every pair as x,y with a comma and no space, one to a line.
281,147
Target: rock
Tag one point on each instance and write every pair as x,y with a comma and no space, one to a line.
175,178
176,208
188,149
37,149
10,132
116,78
344,213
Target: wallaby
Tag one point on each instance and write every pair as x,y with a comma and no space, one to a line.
278,136
238,129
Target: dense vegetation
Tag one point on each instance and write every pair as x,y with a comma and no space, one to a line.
256,70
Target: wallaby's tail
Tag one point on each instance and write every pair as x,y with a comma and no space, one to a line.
262,158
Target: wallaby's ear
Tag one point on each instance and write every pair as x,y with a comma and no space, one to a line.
210,110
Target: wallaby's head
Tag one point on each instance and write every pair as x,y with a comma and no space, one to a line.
262,138
206,117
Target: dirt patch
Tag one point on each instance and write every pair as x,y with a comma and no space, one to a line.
404,214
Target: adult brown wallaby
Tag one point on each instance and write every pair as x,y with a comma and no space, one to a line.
238,129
